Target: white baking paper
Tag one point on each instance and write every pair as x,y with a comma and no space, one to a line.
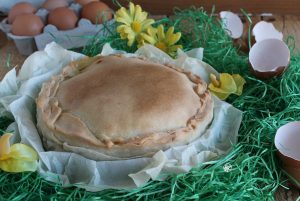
17,98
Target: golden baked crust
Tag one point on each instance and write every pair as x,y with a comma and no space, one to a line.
122,107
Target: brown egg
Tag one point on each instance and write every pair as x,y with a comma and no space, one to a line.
96,12
18,9
63,18
83,2
52,4
27,25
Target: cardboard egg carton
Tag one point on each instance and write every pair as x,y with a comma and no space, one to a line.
73,38
6,5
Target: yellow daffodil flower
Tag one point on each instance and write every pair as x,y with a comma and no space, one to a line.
16,158
228,84
133,22
164,41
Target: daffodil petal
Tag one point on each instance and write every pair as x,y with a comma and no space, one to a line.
213,80
120,28
127,33
160,33
240,82
221,96
174,38
131,36
141,42
23,152
218,92
174,48
20,158
131,10
123,35
127,30
170,32
227,83
148,38
143,16
15,165
122,14
151,31
217,89
130,41
138,14
4,144
146,23
122,20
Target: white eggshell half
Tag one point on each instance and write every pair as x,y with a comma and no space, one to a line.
287,140
232,24
265,30
268,55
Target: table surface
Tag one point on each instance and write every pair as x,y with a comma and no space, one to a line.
289,25
166,7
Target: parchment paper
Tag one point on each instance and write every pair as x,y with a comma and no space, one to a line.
17,98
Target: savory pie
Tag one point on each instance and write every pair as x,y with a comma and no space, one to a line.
117,107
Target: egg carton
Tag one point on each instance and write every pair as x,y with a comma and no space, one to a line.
6,5
73,38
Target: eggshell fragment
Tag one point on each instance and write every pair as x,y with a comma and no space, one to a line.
294,175
83,2
63,18
52,4
269,58
96,12
287,140
246,41
265,30
232,24
27,25
18,9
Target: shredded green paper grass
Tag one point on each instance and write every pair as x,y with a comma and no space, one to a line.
249,172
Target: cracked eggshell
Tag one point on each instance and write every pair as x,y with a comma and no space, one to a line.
232,24
243,42
265,30
287,140
269,58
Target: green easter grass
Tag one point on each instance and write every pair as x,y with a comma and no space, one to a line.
266,105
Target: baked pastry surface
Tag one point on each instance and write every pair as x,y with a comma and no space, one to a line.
118,107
